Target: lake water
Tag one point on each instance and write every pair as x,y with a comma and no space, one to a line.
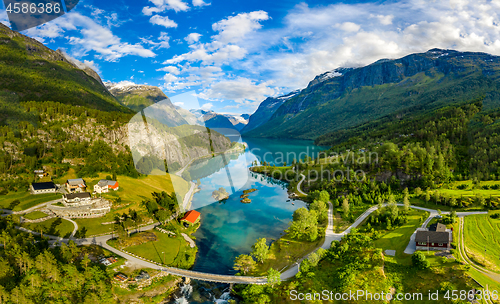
230,228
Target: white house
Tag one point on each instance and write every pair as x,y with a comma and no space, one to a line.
104,185
72,199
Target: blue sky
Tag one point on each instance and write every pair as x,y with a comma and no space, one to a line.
233,54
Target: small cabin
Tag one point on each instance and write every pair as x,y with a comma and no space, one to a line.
190,218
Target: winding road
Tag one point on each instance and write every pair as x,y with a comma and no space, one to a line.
287,274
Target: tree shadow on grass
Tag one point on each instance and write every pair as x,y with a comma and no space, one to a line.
158,253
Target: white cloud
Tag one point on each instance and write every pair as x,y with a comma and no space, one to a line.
316,39
349,27
241,90
234,28
88,36
163,21
94,66
207,106
192,38
178,103
169,78
162,42
384,19
162,5
200,3
171,69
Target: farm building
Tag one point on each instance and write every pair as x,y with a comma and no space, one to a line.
76,185
437,237
191,217
104,185
39,188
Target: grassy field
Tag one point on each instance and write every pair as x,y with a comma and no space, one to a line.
132,192
481,278
54,226
397,239
471,190
34,215
26,199
153,250
178,253
481,239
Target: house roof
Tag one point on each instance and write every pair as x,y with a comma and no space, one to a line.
191,216
43,186
105,182
437,227
432,237
75,195
76,182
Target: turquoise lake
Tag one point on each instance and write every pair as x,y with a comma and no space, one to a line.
230,228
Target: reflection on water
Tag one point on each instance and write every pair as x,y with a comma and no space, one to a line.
230,228
205,167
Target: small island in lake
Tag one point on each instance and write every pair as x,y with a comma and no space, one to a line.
246,200
244,196
249,191
220,194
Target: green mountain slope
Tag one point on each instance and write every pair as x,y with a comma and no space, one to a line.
345,98
135,96
31,71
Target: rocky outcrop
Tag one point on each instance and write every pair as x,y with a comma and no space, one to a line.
175,145
265,111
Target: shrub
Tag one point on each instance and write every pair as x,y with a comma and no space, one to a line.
419,260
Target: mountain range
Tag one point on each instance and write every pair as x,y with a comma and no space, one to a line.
348,97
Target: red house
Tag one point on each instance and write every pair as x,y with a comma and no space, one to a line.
437,237
191,217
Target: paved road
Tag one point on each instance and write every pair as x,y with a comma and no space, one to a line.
188,196
299,185
74,229
8,211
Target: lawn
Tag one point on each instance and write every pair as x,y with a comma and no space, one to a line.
54,226
452,189
481,239
26,199
34,215
397,239
164,249
177,251
132,192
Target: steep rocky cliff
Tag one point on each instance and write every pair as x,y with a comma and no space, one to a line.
346,97
265,111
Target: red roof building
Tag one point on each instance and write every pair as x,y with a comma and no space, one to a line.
191,216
